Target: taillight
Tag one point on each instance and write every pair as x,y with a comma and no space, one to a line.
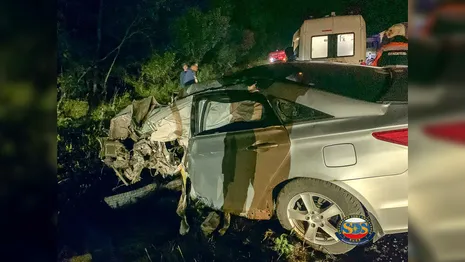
454,132
399,136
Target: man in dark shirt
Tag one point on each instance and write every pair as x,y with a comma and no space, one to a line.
183,72
190,75
393,53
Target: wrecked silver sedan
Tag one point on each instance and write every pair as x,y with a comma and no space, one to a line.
308,142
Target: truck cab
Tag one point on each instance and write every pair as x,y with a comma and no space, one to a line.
333,38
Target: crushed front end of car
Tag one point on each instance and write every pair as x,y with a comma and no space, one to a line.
146,136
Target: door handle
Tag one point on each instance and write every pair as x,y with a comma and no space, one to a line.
262,146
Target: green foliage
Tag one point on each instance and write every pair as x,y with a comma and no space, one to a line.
105,111
78,146
158,77
226,57
196,33
207,73
74,109
282,246
68,81
83,258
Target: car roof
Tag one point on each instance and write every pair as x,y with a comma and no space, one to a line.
354,81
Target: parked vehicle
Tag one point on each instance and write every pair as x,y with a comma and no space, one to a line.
333,38
308,143
277,56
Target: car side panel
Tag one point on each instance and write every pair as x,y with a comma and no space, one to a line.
205,155
272,168
230,176
372,157
377,176
387,196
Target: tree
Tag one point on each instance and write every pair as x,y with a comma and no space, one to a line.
196,33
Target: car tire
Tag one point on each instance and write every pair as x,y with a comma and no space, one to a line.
347,203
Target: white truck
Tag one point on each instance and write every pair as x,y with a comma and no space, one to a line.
332,38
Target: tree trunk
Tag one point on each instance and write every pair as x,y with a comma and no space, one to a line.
97,51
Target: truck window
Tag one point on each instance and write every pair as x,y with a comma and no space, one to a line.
333,45
345,44
319,47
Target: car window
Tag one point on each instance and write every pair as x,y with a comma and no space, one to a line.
291,112
225,114
361,82
220,114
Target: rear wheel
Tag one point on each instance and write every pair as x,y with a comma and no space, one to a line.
313,208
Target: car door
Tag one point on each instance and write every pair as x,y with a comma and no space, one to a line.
238,152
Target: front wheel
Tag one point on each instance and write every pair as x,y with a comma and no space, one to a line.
313,208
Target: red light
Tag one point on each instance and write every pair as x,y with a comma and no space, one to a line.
399,136
454,132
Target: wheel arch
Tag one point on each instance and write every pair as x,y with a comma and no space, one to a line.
366,205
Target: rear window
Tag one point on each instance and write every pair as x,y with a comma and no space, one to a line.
358,82
362,83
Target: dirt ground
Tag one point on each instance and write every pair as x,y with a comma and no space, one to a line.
148,231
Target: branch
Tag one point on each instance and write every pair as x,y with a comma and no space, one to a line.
126,36
118,48
60,101
109,71
85,72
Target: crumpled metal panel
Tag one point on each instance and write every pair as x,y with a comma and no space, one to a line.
119,126
129,119
168,125
174,126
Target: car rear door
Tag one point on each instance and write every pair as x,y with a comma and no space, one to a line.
238,152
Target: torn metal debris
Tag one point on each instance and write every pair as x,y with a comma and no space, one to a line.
210,224
146,135
130,197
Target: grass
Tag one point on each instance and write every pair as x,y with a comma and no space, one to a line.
83,258
282,246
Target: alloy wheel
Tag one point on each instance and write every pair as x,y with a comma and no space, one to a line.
314,217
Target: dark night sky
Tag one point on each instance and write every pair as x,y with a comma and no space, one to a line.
378,14
285,17
273,22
